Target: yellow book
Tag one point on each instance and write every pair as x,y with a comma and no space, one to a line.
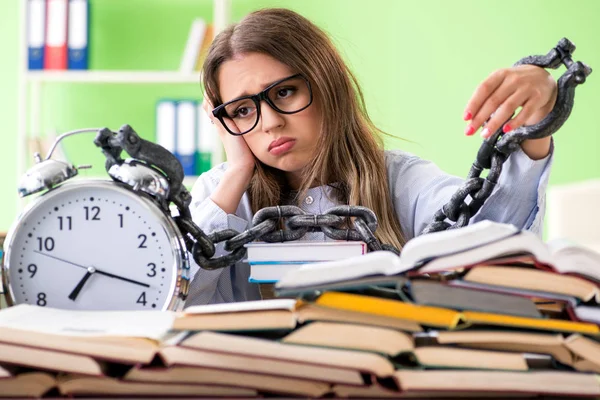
442,317
432,316
479,318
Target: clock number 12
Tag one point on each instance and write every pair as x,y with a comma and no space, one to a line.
93,212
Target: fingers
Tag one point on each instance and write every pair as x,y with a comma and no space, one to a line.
503,113
527,112
481,94
496,99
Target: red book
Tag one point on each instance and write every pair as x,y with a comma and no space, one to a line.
56,34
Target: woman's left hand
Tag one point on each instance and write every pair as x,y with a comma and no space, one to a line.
502,93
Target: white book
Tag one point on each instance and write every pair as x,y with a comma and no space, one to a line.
304,250
143,324
192,46
374,263
242,306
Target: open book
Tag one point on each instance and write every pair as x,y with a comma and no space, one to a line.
482,242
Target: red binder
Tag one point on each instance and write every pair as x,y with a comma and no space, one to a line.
56,34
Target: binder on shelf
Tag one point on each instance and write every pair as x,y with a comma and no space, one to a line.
206,142
78,34
165,124
36,23
185,137
193,45
55,56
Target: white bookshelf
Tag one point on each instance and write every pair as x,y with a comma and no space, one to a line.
31,85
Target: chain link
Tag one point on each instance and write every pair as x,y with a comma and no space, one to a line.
281,224
495,151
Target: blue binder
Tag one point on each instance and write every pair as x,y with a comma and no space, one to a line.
36,33
79,31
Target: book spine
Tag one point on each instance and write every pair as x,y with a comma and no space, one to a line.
55,56
78,34
36,26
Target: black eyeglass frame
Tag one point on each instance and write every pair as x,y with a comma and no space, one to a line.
257,99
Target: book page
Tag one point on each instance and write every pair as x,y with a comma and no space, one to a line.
145,324
376,263
568,256
453,241
243,306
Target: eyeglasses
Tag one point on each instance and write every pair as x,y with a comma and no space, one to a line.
286,96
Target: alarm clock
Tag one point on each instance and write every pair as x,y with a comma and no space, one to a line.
96,244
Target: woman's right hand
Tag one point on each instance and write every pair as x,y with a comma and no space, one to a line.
240,167
239,155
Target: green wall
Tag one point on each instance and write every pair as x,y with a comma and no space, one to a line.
418,62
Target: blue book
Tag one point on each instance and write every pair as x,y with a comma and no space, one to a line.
78,34
271,272
36,27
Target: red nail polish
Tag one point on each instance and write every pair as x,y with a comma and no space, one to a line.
469,130
506,128
467,116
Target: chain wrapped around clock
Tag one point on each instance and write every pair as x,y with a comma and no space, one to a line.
495,150
340,223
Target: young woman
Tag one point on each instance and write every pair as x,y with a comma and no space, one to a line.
294,126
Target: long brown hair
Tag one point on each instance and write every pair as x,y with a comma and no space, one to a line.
350,148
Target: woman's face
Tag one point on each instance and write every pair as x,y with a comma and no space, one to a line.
282,141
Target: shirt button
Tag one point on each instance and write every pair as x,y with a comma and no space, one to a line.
309,200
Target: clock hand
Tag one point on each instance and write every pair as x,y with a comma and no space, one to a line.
122,278
82,282
96,270
61,259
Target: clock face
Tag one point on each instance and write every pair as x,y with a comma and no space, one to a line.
94,245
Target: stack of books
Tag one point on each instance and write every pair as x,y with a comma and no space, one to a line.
269,262
484,311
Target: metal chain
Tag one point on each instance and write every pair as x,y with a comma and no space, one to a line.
495,150
281,224
271,224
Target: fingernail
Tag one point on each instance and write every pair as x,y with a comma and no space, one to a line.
467,116
506,128
469,130
485,133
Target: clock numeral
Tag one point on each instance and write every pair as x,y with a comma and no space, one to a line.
45,244
93,212
152,270
32,269
120,220
142,299
41,299
65,222
143,241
